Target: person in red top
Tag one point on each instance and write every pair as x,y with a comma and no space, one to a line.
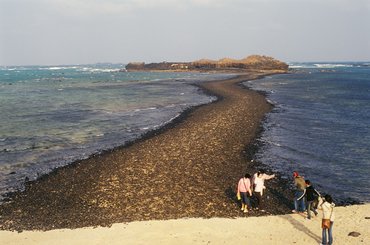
244,188
300,186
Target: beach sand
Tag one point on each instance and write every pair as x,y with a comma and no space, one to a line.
279,229
160,188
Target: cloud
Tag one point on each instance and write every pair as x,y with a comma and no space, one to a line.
95,7
80,31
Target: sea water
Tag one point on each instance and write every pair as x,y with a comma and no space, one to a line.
54,115
320,126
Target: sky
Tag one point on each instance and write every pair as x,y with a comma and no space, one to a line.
57,32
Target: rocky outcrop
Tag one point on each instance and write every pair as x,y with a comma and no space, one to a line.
163,66
254,62
135,66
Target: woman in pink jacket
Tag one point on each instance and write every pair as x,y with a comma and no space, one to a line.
244,188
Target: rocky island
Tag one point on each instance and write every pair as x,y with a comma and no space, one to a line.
250,63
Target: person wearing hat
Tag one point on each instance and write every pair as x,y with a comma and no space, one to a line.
300,185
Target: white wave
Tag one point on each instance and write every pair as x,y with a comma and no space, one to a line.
145,109
296,66
5,68
302,66
333,65
318,65
271,102
56,68
272,143
97,70
167,122
53,68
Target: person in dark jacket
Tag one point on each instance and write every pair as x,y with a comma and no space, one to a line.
311,195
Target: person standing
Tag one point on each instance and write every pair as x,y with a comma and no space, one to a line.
327,220
310,194
244,188
300,186
259,186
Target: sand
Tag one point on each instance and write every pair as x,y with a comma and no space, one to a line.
279,229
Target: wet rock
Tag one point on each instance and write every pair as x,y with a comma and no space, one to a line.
190,170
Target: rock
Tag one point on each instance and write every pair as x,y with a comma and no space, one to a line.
135,66
253,62
354,234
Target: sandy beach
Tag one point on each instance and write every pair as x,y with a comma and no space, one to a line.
279,229
175,185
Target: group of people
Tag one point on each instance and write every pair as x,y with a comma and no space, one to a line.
250,190
306,199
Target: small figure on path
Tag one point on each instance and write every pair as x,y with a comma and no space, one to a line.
300,185
327,220
244,188
311,194
259,186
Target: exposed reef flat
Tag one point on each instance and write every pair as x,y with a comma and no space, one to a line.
188,169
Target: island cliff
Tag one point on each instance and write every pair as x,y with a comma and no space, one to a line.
253,62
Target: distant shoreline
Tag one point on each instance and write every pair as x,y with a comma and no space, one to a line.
253,63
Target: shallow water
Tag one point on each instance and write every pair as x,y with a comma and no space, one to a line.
52,116
320,126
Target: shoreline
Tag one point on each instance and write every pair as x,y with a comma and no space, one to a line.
254,230
69,205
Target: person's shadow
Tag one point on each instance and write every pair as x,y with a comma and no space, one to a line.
231,194
300,226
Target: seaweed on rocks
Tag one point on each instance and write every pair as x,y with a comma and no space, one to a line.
189,168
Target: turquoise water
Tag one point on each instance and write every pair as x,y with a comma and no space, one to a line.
52,116
320,126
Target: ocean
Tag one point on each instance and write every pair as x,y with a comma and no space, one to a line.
54,115
320,127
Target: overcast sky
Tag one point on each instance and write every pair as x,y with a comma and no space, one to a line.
52,32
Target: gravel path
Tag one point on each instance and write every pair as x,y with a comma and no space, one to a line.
189,169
